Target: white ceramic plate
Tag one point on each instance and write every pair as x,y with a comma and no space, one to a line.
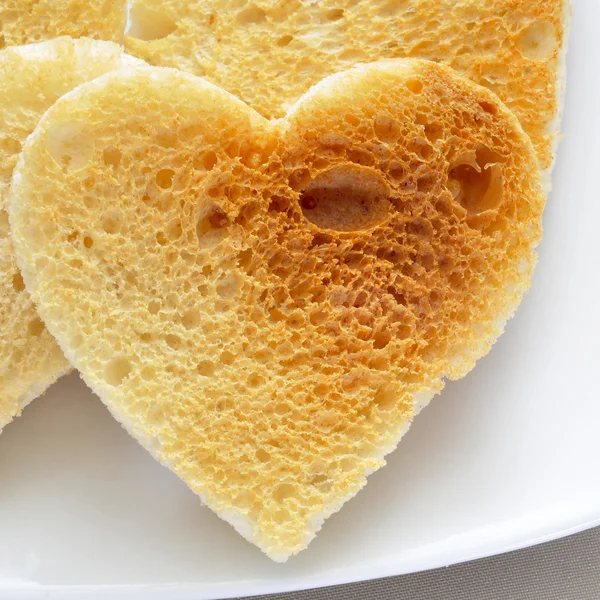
505,458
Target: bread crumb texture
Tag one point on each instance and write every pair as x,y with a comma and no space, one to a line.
32,78
269,52
27,21
265,305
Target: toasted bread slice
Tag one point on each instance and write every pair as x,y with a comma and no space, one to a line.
269,52
266,305
28,21
32,78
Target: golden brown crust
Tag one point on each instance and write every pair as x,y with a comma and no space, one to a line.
265,305
270,52
28,21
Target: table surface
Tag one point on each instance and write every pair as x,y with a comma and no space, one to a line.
566,569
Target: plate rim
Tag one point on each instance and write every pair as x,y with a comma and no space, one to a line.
241,589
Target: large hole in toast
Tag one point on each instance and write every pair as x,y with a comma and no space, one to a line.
538,41
475,180
211,226
346,198
148,24
117,370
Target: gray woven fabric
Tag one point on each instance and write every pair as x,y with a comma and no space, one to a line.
567,569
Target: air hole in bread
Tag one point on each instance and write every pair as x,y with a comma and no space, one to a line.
476,182
282,408
70,145
110,223
191,319
346,198
322,389
283,492
538,40
174,230
206,161
228,285
117,370
488,107
10,145
358,156
245,260
299,179
227,358
247,212
263,455
385,398
148,25
173,341
164,178
36,327
279,204
166,138
112,156
433,132
421,148
88,242
276,316
206,368
251,15
284,40
415,86
148,373
318,317
212,225
390,8
4,226
381,339
255,380
386,128
319,479
281,516
398,171
18,283
334,14
154,306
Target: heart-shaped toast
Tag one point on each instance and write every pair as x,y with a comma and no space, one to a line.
266,305
269,52
32,78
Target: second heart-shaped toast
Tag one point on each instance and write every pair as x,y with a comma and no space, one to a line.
32,78
265,305
270,52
